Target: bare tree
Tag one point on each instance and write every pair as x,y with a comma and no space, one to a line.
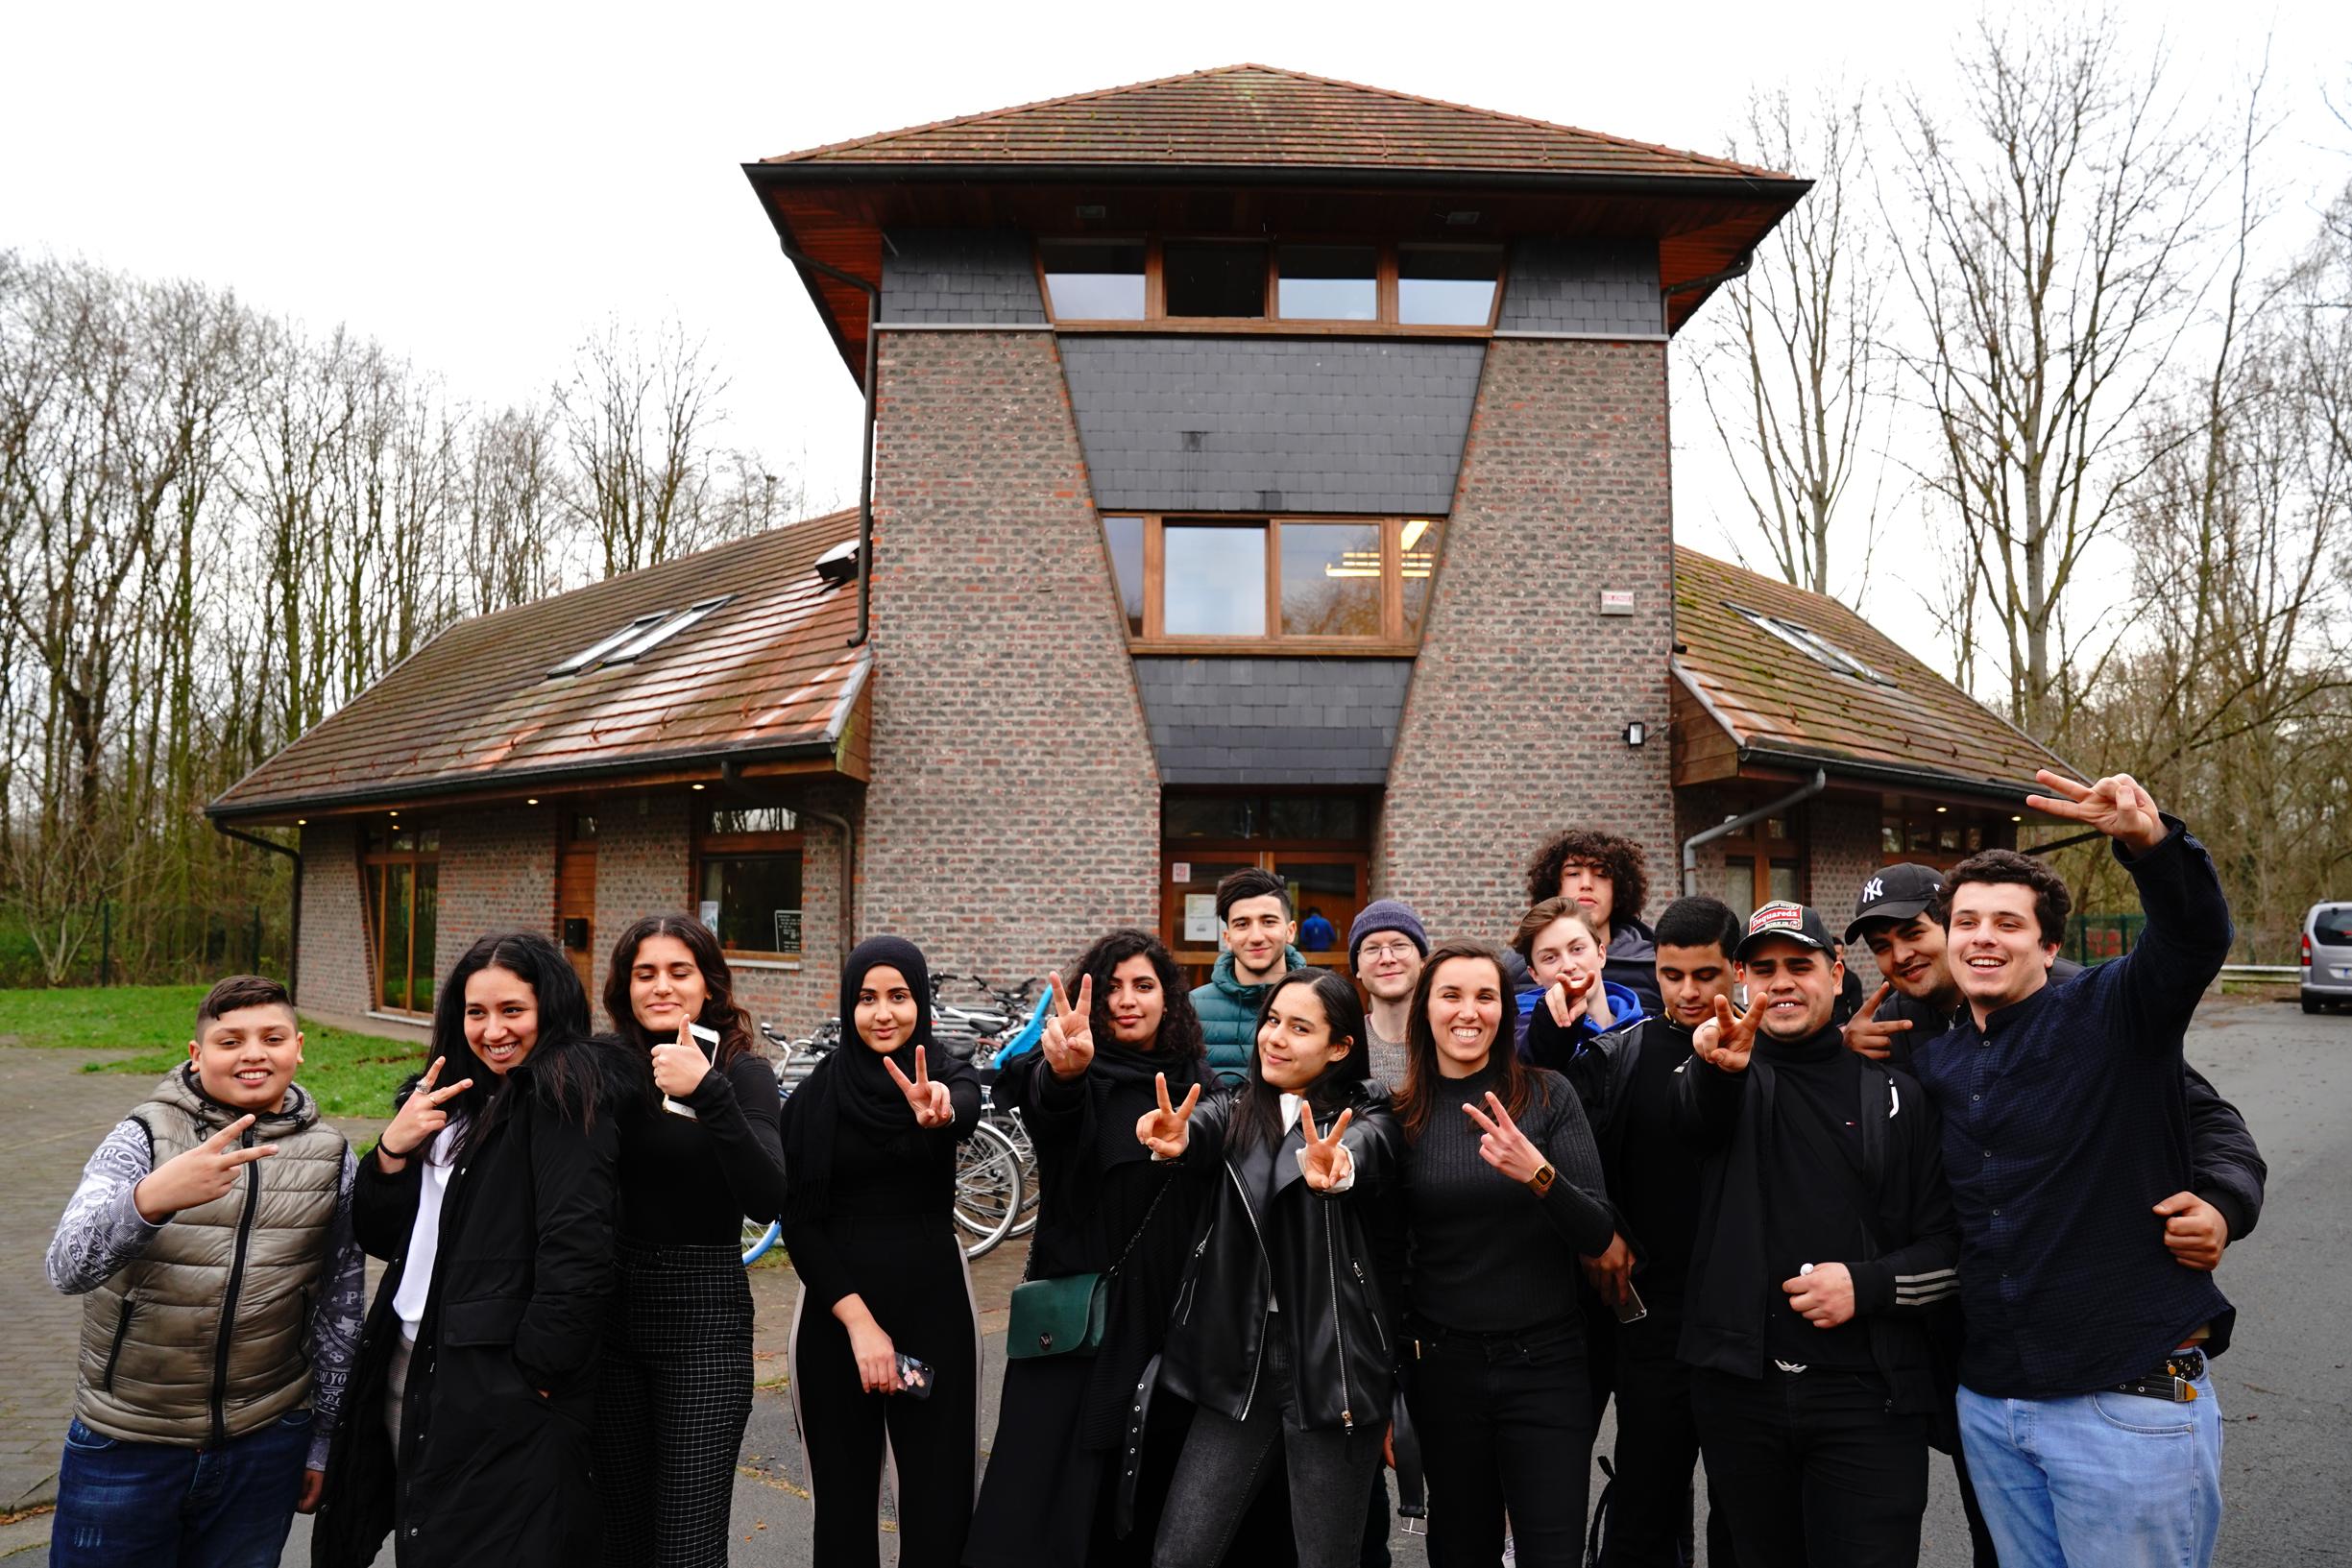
636,420
1796,382
517,534
2053,275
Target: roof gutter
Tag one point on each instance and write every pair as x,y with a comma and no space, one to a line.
1737,269
865,447
1732,825
1756,186
294,932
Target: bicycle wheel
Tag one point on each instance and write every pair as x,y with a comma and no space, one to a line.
1016,1131
759,1238
987,1188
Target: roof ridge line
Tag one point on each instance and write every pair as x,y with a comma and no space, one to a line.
983,115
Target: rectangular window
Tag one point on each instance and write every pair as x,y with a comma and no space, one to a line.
1315,584
1214,278
1328,282
1447,286
1094,280
403,909
759,902
1332,579
1216,581
1124,537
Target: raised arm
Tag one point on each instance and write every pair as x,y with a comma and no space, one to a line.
101,1228
740,1111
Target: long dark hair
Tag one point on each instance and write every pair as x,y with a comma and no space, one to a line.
718,1009
1416,1099
1180,1027
1257,1110
558,1069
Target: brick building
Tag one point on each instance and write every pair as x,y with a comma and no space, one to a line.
1265,470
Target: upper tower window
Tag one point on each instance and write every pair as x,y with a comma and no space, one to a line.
1204,584
1447,286
1094,280
1329,282
1215,277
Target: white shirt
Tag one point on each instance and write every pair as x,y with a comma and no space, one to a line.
424,1236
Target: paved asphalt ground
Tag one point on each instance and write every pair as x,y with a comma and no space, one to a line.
2285,1390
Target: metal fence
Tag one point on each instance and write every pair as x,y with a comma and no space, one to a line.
125,942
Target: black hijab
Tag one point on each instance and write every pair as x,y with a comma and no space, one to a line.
852,1085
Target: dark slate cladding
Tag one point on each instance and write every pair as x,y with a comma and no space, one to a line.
960,276
1272,424
1568,286
1272,721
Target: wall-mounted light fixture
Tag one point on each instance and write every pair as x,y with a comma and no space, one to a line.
1636,732
533,801
698,786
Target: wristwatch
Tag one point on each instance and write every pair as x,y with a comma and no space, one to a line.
1541,1181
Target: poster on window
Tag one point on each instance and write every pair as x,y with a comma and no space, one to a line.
788,931
710,913
1200,917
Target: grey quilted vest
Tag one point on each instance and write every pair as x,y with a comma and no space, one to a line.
201,1337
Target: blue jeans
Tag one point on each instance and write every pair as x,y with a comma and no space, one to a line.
2097,1481
126,1504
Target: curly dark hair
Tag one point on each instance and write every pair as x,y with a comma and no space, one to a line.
2052,901
1627,867
1180,1027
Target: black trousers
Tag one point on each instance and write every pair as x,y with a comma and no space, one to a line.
673,1392
1812,1468
1658,1448
1505,1424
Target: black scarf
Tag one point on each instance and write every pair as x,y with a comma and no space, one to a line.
853,1086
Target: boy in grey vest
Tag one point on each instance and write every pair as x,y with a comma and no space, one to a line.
223,1294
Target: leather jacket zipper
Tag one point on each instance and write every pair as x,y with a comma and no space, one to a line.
1331,1233
1364,1285
1259,1363
228,1301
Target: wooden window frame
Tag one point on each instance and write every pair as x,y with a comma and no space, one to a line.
373,892
1759,852
1393,641
1155,317
710,846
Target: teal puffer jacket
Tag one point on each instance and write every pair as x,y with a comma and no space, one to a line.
1230,1017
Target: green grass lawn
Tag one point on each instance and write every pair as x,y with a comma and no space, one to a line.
352,1074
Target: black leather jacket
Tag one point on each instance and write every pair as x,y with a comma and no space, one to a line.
1310,1251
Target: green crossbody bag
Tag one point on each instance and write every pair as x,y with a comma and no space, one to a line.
1067,1315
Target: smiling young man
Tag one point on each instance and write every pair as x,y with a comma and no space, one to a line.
1825,1228
222,1307
1385,947
1253,909
2085,1405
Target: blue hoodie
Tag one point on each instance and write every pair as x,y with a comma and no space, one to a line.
1624,1008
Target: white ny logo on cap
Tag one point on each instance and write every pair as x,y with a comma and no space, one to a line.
1873,889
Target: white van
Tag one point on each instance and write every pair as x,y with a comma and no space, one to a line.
2327,955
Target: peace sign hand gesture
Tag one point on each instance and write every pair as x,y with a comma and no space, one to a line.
1069,1038
419,1118
1501,1143
931,1105
1324,1162
197,1176
1167,1132
1726,1041
2115,806
1869,1036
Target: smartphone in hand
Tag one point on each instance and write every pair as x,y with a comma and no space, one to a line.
914,1377
708,1040
1630,1310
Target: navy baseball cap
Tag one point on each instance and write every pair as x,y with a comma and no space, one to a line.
1895,893
1789,922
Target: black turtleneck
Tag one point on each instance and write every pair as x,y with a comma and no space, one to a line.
1487,1254
1810,1203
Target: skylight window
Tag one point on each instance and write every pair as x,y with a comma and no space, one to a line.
639,637
1811,643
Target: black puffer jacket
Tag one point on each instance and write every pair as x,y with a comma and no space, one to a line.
1267,1234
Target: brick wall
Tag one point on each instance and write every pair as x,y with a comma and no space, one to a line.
1842,851
644,851
496,874
1014,809
796,998
1512,727
336,959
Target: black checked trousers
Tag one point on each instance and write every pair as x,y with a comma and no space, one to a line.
673,1392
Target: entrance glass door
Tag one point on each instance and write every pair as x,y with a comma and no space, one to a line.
1319,845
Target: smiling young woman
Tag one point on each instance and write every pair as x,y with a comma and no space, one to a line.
675,1391
1107,1208
1503,1195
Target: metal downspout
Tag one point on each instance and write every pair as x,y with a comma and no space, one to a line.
294,933
866,455
1733,825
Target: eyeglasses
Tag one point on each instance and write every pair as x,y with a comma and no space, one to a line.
1374,951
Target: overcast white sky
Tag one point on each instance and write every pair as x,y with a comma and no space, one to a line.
475,184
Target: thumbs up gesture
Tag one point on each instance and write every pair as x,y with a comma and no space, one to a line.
1324,1161
932,1108
1167,1132
679,1065
1069,1037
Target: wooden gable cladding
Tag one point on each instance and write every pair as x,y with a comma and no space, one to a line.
769,675
1746,695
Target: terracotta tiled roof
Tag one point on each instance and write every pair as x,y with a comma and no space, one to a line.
769,673
1770,698
1244,116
